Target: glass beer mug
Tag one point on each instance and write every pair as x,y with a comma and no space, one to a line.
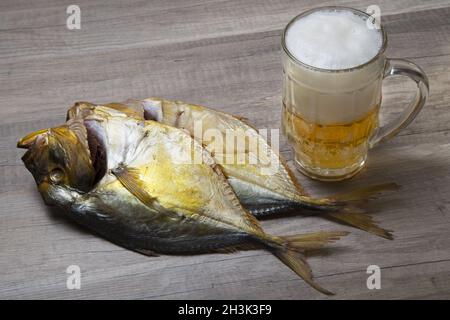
330,115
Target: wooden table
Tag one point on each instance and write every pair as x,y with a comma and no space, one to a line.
224,54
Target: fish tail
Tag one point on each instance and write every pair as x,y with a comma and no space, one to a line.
290,250
297,263
313,240
365,193
349,211
362,221
346,208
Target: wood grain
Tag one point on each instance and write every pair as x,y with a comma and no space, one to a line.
224,54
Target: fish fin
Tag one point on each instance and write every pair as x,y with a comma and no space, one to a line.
345,213
130,179
352,215
361,221
314,240
290,250
348,207
252,222
296,261
365,193
300,242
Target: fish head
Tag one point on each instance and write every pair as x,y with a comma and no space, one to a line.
59,160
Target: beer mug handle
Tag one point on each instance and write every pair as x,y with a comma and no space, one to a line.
402,67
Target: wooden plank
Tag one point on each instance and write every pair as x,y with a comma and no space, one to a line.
225,55
420,222
419,281
105,26
204,72
259,73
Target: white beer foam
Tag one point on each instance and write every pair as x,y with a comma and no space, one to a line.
333,40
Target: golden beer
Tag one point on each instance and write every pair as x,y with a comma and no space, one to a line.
333,68
333,146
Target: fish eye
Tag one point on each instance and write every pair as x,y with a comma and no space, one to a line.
56,175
